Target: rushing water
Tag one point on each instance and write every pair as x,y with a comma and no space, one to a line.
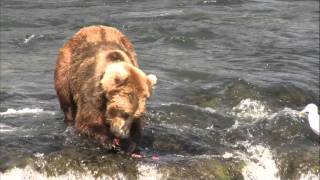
232,76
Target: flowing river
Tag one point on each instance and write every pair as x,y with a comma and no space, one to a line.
232,76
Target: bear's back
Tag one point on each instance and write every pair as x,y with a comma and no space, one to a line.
99,34
89,40
77,58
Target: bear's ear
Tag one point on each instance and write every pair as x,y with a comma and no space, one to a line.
115,56
110,56
152,79
116,75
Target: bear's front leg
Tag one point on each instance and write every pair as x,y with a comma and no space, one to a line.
130,145
98,132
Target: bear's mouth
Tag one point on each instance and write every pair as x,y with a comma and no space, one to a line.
129,149
116,144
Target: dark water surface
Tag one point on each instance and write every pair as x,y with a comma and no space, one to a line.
232,76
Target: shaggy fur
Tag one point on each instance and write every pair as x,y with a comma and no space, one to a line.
100,87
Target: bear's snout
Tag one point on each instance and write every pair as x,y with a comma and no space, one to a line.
120,127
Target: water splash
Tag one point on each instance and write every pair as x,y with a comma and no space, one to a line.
258,159
260,164
251,109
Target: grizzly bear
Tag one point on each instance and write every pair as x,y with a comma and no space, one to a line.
101,88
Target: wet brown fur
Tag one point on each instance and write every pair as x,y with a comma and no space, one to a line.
81,65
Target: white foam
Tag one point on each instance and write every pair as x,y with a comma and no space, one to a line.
258,159
145,172
309,176
227,155
29,173
293,114
206,109
234,126
6,128
148,172
155,13
253,109
29,38
260,165
39,155
210,127
25,111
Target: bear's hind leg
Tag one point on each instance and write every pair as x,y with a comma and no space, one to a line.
69,113
69,110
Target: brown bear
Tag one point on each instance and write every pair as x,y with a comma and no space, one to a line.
101,88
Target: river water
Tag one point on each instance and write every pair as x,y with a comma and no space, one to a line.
232,76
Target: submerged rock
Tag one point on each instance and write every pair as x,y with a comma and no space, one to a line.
69,164
97,164
295,165
203,169
276,96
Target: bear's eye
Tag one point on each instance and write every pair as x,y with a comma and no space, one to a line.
125,115
101,76
112,112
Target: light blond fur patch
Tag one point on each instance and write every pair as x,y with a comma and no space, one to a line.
114,72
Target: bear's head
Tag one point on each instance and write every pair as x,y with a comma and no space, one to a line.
127,89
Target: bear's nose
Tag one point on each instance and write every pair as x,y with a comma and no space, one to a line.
121,133
139,114
120,129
